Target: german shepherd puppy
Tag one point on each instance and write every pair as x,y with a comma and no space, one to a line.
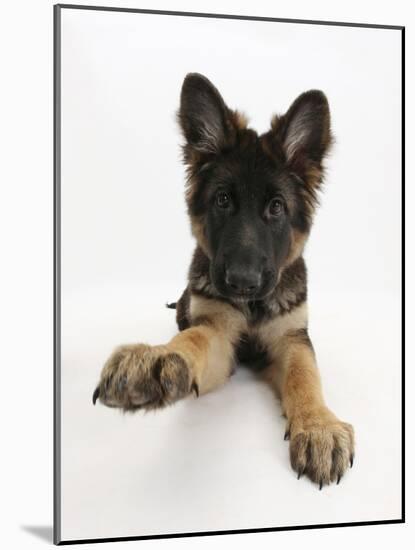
251,201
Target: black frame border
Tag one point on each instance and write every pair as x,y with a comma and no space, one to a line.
57,272
56,275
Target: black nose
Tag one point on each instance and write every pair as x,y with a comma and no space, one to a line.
243,281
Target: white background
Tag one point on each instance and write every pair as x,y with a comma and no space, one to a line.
28,231
221,463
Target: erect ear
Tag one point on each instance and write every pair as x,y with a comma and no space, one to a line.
203,115
304,131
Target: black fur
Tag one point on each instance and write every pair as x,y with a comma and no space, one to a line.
251,353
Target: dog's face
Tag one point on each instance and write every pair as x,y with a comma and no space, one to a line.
251,198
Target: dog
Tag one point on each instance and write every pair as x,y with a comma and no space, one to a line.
251,201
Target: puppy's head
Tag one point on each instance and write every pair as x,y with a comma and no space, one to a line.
251,198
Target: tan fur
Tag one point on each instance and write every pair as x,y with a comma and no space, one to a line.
208,354
320,444
225,317
298,241
199,358
198,233
300,386
225,324
314,175
271,335
271,331
239,120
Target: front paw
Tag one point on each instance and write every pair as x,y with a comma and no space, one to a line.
321,447
143,377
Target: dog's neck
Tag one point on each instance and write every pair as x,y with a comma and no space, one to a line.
290,291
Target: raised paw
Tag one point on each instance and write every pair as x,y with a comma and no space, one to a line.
321,447
144,377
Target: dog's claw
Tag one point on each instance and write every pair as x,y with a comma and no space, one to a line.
95,395
321,484
351,461
300,473
195,388
338,479
287,435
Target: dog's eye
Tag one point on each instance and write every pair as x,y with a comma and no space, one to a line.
276,207
222,199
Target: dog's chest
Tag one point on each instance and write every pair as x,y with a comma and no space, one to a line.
251,353
258,345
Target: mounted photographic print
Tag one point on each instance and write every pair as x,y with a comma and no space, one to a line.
228,274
